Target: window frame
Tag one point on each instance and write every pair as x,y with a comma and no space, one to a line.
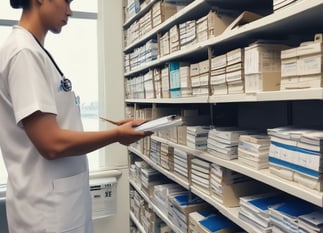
85,16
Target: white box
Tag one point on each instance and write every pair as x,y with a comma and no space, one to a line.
235,56
104,197
234,76
204,67
269,81
218,62
221,89
216,79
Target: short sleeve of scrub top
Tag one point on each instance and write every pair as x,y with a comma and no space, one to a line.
27,73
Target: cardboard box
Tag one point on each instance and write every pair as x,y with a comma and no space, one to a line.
194,69
162,11
289,62
174,39
219,89
217,79
234,76
236,87
235,56
269,81
262,58
219,62
309,64
232,190
164,44
165,82
217,23
204,66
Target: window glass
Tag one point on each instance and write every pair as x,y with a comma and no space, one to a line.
7,12
85,5
75,52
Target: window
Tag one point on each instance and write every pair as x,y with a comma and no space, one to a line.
75,52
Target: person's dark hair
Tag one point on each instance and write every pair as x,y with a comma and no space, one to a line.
20,4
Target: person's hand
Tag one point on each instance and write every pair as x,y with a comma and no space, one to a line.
127,133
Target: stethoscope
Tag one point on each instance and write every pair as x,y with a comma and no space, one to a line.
66,84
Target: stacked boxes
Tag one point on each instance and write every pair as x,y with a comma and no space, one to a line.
205,221
155,151
187,34
262,67
234,71
217,77
132,8
211,25
149,85
174,39
149,178
204,78
289,78
151,50
132,33
199,73
200,174
228,186
302,66
164,44
157,83
196,137
181,163
186,86
127,66
202,29
167,157
145,24
161,194
165,82
137,86
162,11
181,205
174,79
142,55
195,78
136,204
149,220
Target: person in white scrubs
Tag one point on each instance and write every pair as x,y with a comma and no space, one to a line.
41,137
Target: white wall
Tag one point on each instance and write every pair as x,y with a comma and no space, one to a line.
110,21
119,223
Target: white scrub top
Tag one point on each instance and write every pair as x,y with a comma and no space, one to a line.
42,195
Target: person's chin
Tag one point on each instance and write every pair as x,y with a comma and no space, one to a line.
56,30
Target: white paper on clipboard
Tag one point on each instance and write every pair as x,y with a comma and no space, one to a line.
160,123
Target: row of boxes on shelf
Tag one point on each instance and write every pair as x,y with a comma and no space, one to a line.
268,210
256,68
296,155
184,35
204,28
291,153
148,219
279,212
179,37
160,11
224,185
178,205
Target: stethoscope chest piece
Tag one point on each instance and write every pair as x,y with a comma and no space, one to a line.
66,84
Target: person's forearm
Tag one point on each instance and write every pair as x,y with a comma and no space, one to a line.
73,143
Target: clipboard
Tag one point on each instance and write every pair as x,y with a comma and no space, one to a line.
160,123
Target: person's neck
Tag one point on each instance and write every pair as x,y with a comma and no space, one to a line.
32,25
